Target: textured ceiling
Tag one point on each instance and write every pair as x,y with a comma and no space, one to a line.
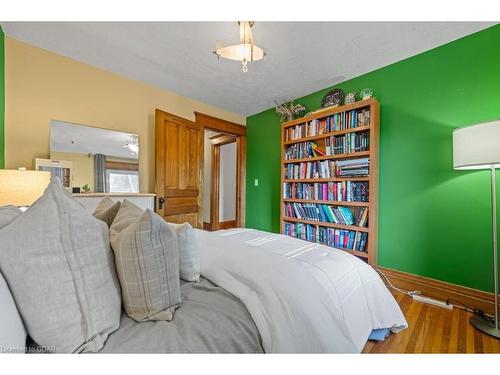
302,57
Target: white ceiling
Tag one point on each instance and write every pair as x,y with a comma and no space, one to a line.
302,57
81,139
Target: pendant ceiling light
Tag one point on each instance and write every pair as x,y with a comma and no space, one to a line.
133,144
245,51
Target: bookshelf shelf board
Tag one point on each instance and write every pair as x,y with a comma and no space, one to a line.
324,224
328,112
332,203
327,135
360,254
329,157
333,179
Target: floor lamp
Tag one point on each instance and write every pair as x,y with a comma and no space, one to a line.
478,147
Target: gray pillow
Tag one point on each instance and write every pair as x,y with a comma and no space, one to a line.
147,263
189,257
12,332
8,214
106,210
59,267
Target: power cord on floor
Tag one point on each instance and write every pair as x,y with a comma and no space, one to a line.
407,292
475,311
460,305
455,303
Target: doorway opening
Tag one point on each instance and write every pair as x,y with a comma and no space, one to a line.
220,183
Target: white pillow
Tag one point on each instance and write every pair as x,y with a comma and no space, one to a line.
59,267
12,332
189,257
8,214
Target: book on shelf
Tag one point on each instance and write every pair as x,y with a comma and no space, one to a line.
340,238
362,218
347,191
328,169
338,121
327,213
348,143
352,167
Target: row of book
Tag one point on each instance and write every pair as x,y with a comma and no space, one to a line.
347,191
348,143
327,214
338,121
340,238
301,150
335,145
328,169
352,167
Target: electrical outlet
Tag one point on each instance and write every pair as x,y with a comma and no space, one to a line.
256,182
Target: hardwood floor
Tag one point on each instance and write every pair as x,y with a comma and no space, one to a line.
433,329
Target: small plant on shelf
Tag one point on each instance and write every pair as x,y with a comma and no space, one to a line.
288,110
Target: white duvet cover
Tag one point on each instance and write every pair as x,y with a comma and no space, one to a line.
303,297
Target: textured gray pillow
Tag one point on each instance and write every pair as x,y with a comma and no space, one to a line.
147,263
12,332
8,214
106,210
59,267
189,257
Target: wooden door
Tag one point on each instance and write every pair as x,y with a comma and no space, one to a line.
179,157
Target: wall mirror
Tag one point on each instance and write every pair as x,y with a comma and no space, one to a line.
102,161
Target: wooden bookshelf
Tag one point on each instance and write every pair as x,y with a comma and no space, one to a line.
316,225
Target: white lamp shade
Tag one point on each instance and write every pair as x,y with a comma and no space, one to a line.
22,188
477,146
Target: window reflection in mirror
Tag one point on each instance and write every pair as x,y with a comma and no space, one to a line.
103,161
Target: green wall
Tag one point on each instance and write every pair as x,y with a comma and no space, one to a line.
433,221
2,99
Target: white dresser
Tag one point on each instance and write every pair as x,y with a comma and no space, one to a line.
91,200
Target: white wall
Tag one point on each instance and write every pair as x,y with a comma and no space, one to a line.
227,201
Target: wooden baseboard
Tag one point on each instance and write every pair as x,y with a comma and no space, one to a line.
226,224
441,290
221,225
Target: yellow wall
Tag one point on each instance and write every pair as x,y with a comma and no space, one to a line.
41,86
83,168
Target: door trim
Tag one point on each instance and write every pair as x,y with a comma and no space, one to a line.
214,186
224,126
215,223
238,131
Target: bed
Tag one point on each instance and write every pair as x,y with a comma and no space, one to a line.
264,292
259,292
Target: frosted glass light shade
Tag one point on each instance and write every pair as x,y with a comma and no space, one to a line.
477,146
22,188
240,52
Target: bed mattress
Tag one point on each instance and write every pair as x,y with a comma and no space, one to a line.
210,320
